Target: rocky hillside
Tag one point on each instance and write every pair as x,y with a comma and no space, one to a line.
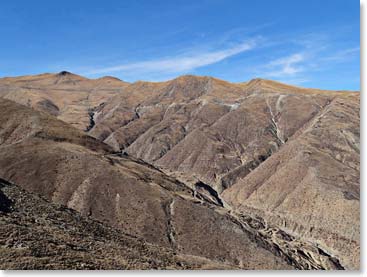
281,155
66,167
310,187
36,234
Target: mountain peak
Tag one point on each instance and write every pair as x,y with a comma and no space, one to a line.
69,75
64,73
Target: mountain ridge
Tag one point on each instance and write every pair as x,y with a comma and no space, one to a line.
185,76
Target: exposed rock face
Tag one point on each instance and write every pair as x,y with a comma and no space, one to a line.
284,154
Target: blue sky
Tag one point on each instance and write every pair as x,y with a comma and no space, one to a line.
310,43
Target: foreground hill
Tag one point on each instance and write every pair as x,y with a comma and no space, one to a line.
36,234
285,154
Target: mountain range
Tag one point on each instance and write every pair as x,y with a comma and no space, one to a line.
194,172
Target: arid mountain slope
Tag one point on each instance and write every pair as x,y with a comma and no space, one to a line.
67,96
219,133
36,234
285,154
61,165
213,129
310,187
216,130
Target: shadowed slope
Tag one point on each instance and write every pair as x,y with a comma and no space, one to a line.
36,234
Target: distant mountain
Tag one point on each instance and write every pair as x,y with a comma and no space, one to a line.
68,96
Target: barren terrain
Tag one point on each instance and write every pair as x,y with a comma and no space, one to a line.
255,175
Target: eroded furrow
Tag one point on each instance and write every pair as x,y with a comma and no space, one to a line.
275,128
301,254
171,233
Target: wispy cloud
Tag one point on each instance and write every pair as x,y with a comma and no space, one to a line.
286,66
179,64
300,67
343,54
299,60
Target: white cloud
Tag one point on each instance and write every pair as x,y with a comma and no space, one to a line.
182,63
301,67
286,66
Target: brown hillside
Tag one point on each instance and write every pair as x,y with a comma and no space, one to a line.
287,155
